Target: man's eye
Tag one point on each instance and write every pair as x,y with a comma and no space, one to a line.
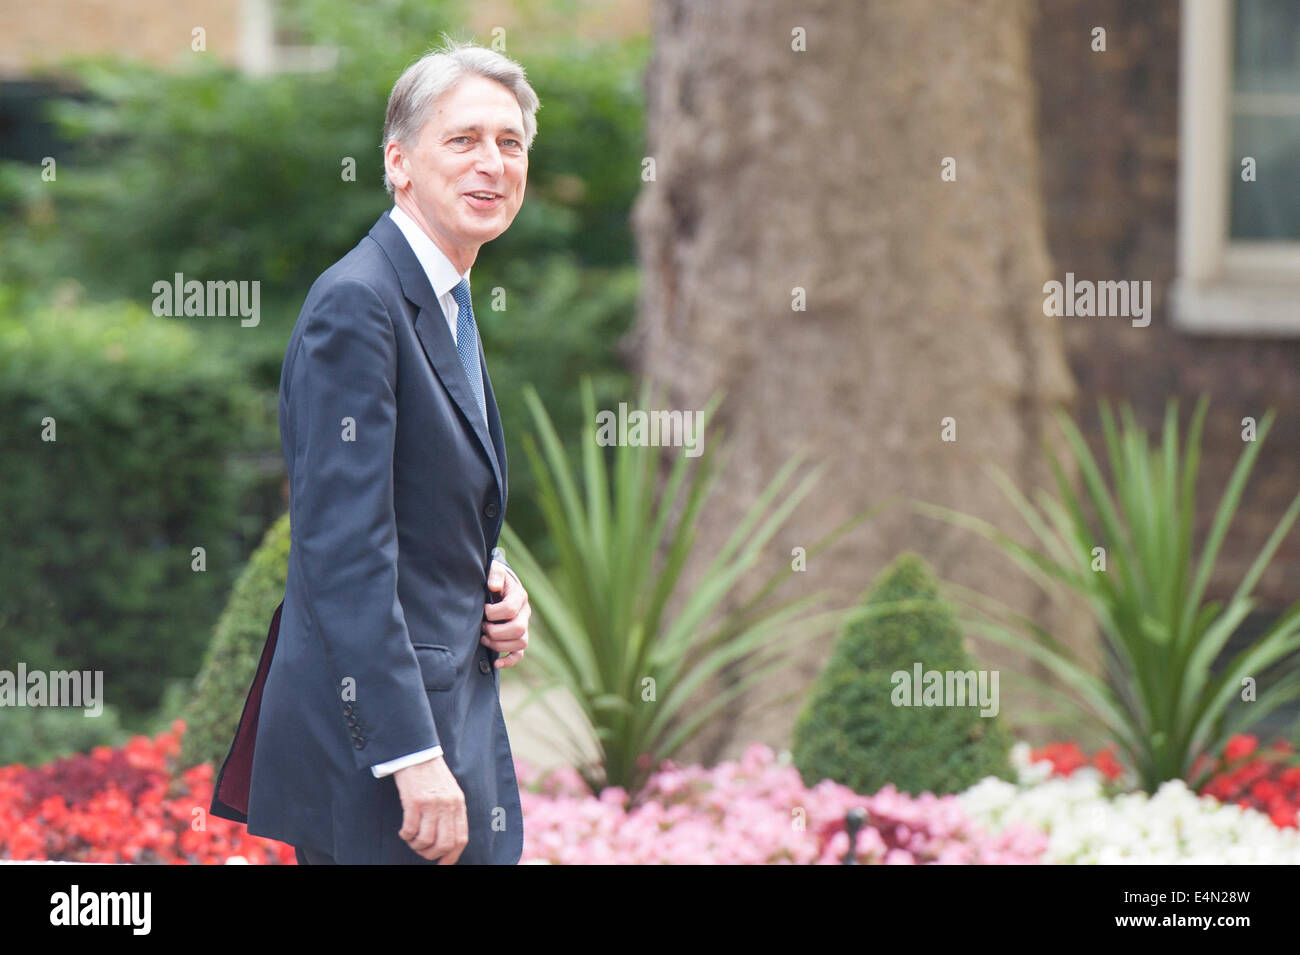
458,138
515,141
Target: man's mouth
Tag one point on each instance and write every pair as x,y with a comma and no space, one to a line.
482,199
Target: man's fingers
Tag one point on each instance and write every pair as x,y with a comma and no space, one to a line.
511,635
427,838
462,831
454,836
437,835
514,637
505,623
441,845
497,625
501,581
429,851
433,807
449,855
506,633
508,607
410,824
510,659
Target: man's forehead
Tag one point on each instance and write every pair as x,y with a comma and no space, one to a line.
474,100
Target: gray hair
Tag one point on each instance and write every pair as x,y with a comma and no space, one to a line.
435,73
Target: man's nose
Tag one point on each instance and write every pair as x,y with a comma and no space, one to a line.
490,161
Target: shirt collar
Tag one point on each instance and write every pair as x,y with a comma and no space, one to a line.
437,267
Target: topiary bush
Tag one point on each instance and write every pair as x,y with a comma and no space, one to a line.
852,732
213,712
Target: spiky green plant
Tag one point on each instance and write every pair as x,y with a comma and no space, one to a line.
1160,701
604,631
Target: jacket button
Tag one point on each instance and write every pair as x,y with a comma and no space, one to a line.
352,720
347,708
484,666
491,509
360,744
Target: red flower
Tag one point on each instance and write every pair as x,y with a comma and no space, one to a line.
120,805
1265,790
1107,763
1284,817
1064,757
1239,747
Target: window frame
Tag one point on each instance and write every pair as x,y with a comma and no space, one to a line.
260,54
1221,285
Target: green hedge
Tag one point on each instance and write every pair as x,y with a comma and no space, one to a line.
212,714
851,731
98,525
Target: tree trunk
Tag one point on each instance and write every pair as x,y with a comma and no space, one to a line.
778,170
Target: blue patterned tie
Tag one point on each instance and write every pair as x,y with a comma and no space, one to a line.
467,343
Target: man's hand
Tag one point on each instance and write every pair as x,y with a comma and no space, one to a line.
434,822
509,632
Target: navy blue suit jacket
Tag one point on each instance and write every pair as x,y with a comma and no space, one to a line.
397,493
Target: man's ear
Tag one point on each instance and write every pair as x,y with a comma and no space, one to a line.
395,164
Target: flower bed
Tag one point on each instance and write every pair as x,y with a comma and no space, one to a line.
1266,780
753,811
122,805
132,805
1085,825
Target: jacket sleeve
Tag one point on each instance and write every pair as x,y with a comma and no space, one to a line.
343,403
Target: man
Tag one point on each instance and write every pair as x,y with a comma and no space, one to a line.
373,732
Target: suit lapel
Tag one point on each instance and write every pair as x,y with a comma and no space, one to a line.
439,347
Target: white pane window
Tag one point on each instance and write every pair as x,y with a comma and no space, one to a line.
1266,120
1238,270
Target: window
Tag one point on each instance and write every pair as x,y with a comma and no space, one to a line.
1266,120
1239,158
265,47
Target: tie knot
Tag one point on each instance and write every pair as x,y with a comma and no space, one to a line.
461,293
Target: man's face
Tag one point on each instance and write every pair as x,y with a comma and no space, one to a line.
472,142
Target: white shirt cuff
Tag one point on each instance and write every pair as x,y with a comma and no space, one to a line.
393,765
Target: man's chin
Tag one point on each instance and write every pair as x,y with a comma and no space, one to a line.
481,235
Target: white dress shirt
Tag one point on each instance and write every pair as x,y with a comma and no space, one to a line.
442,274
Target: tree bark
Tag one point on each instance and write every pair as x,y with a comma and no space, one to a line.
820,170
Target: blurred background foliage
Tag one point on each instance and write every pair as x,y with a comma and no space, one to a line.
219,175
127,449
